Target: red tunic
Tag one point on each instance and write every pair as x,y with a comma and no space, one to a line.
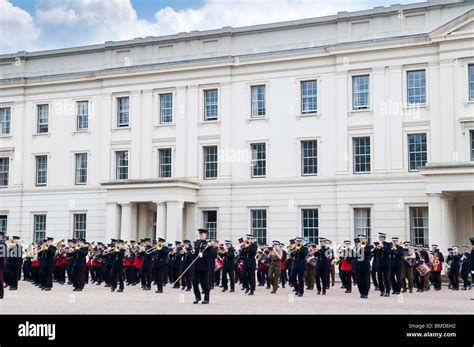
138,262
345,265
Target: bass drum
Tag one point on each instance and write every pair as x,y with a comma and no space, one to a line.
423,269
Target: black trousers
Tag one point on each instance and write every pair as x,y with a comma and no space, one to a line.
322,277
436,279
187,280
48,277
248,278
383,276
13,276
226,272
465,279
78,277
97,273
201,277
284,278
346,279
1,282
454,278
396,279
145,275
298,280
117,277
373,273
159,277
362,278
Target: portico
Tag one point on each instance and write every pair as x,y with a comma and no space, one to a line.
151,208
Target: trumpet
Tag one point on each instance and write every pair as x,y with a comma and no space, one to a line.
246,243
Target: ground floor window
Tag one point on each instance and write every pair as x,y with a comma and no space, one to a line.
419,225
258,225
80,225
39,227
210,223
310,224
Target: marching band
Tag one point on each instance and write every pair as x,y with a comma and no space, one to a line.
395,267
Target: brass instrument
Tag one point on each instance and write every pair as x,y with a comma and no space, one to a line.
246,243
158,247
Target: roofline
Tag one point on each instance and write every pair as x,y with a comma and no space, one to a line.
230,31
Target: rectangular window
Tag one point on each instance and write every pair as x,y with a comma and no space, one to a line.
210,104
5,120
360,92
210,223
258,224
310,224
361,149
3,224
309,97
4,171
41,170
210,162
81,168
39,227
165,162
362,222
42,123
416,87
80,225
121,165
82,115
471,82
259,159
309,157
258,101
419,225
471,132
166,108
417,151
123,112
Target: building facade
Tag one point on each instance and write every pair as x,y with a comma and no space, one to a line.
354,123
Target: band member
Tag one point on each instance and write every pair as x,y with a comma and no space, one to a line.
436,261
408,266
332,265
274,269
161,252
363,253
422,257
373,271
3,253
465,267
309,271
454,258
382,250
322,267
97,264
284,275
471,262
79,266
248,253
186,259
262,266
14,262
48,264
396,260
117,266
346,258
228,267
203,252
147,264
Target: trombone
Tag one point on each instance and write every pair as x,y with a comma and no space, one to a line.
157,247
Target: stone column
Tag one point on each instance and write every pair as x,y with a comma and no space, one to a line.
142,221
435,221
190,231
112,226
174,220
126,222
448,224
160,219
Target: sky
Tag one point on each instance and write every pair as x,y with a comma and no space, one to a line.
32,25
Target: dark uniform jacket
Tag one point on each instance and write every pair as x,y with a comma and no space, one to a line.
363,258
161,257
248,255
229,259
79,257
456,264
323,260
3,253
48,257
396,257
147,258
118,259
204,263
299,256
383,255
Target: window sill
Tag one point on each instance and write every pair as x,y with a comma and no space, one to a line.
215,122
122,128
41,134
77,132
6,136
363,110
263,118
415,106
165,125
308,115
469,102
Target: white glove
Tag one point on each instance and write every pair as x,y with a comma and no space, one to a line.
200,255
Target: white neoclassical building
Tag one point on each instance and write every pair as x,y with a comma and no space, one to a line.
354,123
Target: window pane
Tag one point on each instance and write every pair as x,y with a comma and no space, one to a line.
82,115
123,112
3,224
210,223
259,225
362,225
417,151
259,164
121,165
5,120
471,82
166,108
81,168
210,162
361,149
210,104
4,171
80,225
309,157
416,83
41,170
309,97
310,224
42,119
360,92
258,101
39,227
165,162
419,225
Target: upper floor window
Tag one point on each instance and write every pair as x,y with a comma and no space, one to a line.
258,108
309,97
416,87
166,108
41,170
472,144
259,159
82,115
309,157
210,162
3,223
471,82
210,223
417,151
4,171
5,120
42,122
210,104
165,162
360,92
81,168
361,149
123,119
121,165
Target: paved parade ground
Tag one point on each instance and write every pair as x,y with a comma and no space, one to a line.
99,300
